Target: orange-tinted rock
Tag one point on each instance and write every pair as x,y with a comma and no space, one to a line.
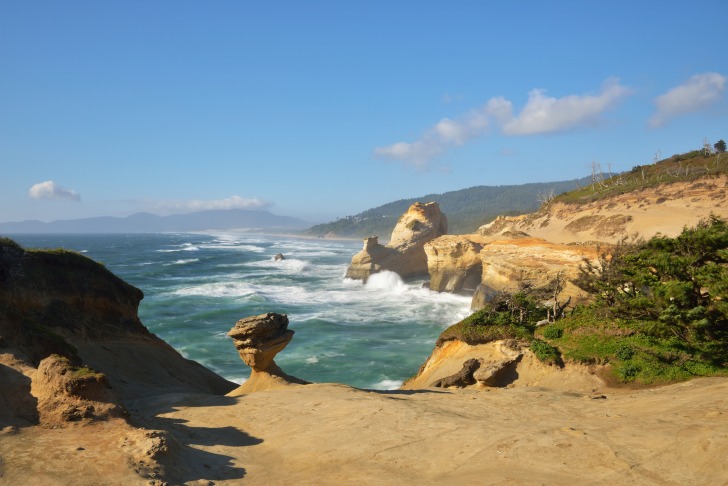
454,262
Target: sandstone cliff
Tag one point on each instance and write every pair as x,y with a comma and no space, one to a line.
405,253
664,209
454,262
62,303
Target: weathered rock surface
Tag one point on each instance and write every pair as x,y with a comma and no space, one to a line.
500,364
462,378
492,372
405,253
258,339
68,393
454,262
665,209
489,370
508,263
60,302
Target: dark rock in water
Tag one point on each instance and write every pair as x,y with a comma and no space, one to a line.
464,377
279,257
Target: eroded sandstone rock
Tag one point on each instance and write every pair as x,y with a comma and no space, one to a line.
462,378
454,262
508,263
68,393
258,339
405,253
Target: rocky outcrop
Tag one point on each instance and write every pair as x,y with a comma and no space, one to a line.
503,363
462,378
486,371
68,393
507,264
57,302
258,339
405,253
454,262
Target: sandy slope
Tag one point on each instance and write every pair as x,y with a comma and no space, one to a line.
333,434
666,209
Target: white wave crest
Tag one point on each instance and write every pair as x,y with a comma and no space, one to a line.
182,247
217,289
183,261
387,385
235,247
387,281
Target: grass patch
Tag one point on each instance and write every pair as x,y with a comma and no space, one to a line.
545,352
680,167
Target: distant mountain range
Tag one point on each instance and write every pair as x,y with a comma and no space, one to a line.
150,223
466,209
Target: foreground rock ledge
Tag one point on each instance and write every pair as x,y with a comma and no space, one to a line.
258,339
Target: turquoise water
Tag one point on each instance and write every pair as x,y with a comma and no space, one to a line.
196,286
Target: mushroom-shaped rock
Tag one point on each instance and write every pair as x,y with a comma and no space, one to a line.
258,339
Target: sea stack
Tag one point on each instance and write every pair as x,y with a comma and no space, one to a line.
258,339
404,254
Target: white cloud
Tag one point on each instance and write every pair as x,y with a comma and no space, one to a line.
445,134
51,190
696,94
233,202
541,114
544,114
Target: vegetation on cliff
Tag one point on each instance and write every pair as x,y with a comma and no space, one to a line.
659,311
680,167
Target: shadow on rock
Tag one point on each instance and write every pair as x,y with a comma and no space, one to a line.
17,406
180,455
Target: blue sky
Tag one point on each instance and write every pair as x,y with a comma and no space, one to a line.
323,109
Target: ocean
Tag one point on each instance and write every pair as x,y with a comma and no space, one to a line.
196,286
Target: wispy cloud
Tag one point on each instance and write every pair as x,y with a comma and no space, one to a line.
541,114
545,114
696,94
51,190
445,134
192,205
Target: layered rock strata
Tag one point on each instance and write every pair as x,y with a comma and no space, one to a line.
258,339
405,253
664,209
507,264
62,303
454,262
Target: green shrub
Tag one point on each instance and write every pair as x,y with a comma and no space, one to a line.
545,352
625,352
628,372
553,332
